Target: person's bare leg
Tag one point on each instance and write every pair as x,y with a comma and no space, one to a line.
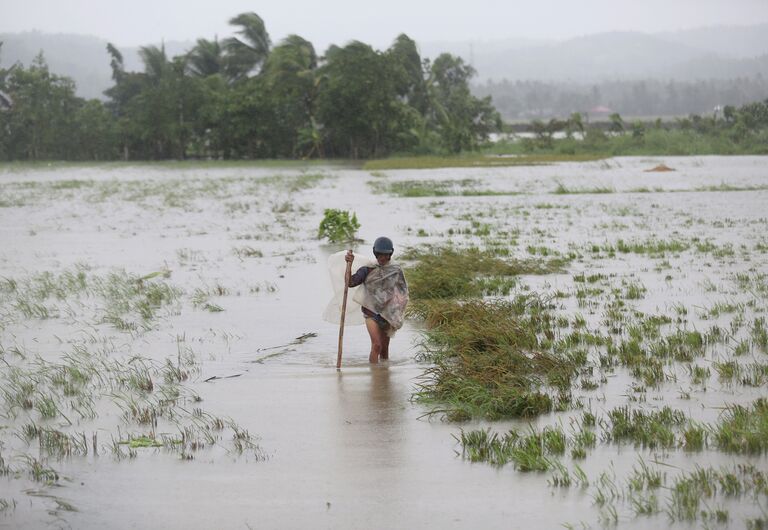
376,339
384,345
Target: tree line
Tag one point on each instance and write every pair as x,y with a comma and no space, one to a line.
526,100
243,98
728,130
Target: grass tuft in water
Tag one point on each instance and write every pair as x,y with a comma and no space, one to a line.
528,451
447,272
648,429
493,359
743,429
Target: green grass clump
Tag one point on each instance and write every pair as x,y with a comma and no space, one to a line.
531,451
54,442
142,441
133,301
493,359
424,188
695,437
702,485
435,188
759,334
688,491
743,429
562,189
653,247
727,370
729,187
448,272
683,345
647,429
38,471
124,300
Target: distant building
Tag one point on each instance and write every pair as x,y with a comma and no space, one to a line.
5,101
600,110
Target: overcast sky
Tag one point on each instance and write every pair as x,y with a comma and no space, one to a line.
141,22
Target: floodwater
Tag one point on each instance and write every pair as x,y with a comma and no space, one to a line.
346,449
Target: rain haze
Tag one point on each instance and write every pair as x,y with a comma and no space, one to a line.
401,264
338,21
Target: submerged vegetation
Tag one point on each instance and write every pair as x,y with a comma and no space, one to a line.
236,195
614,356
648,490
494,359
476,160
490,358
94,354
128,302
451,272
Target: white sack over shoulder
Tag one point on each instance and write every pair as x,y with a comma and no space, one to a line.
337,266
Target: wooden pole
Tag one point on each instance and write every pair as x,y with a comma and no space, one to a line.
347,274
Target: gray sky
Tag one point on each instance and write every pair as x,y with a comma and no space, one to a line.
323,22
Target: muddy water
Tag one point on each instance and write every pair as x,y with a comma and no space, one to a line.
344,449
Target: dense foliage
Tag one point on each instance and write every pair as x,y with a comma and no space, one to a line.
244,98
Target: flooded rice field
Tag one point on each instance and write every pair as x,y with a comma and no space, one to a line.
164,361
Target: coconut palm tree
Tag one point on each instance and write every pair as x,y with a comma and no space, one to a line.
575,121
248,52
118,67
617,124
291,76
207,58
155,62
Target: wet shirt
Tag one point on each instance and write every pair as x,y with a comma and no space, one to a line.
384,295
358,278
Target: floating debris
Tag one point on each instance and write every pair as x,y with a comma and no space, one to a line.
215,377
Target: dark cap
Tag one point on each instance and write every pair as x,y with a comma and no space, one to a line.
383,245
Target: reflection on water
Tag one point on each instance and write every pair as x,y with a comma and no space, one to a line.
381,388
367,396
371,401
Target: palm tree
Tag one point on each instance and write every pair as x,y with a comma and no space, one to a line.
155,62
617,124
291,74
247,53
576,121
409,72
206,58
294,56
116,62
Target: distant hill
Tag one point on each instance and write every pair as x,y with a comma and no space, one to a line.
84,58
706,53
737,42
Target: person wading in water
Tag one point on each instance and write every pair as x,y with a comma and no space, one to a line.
384,295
